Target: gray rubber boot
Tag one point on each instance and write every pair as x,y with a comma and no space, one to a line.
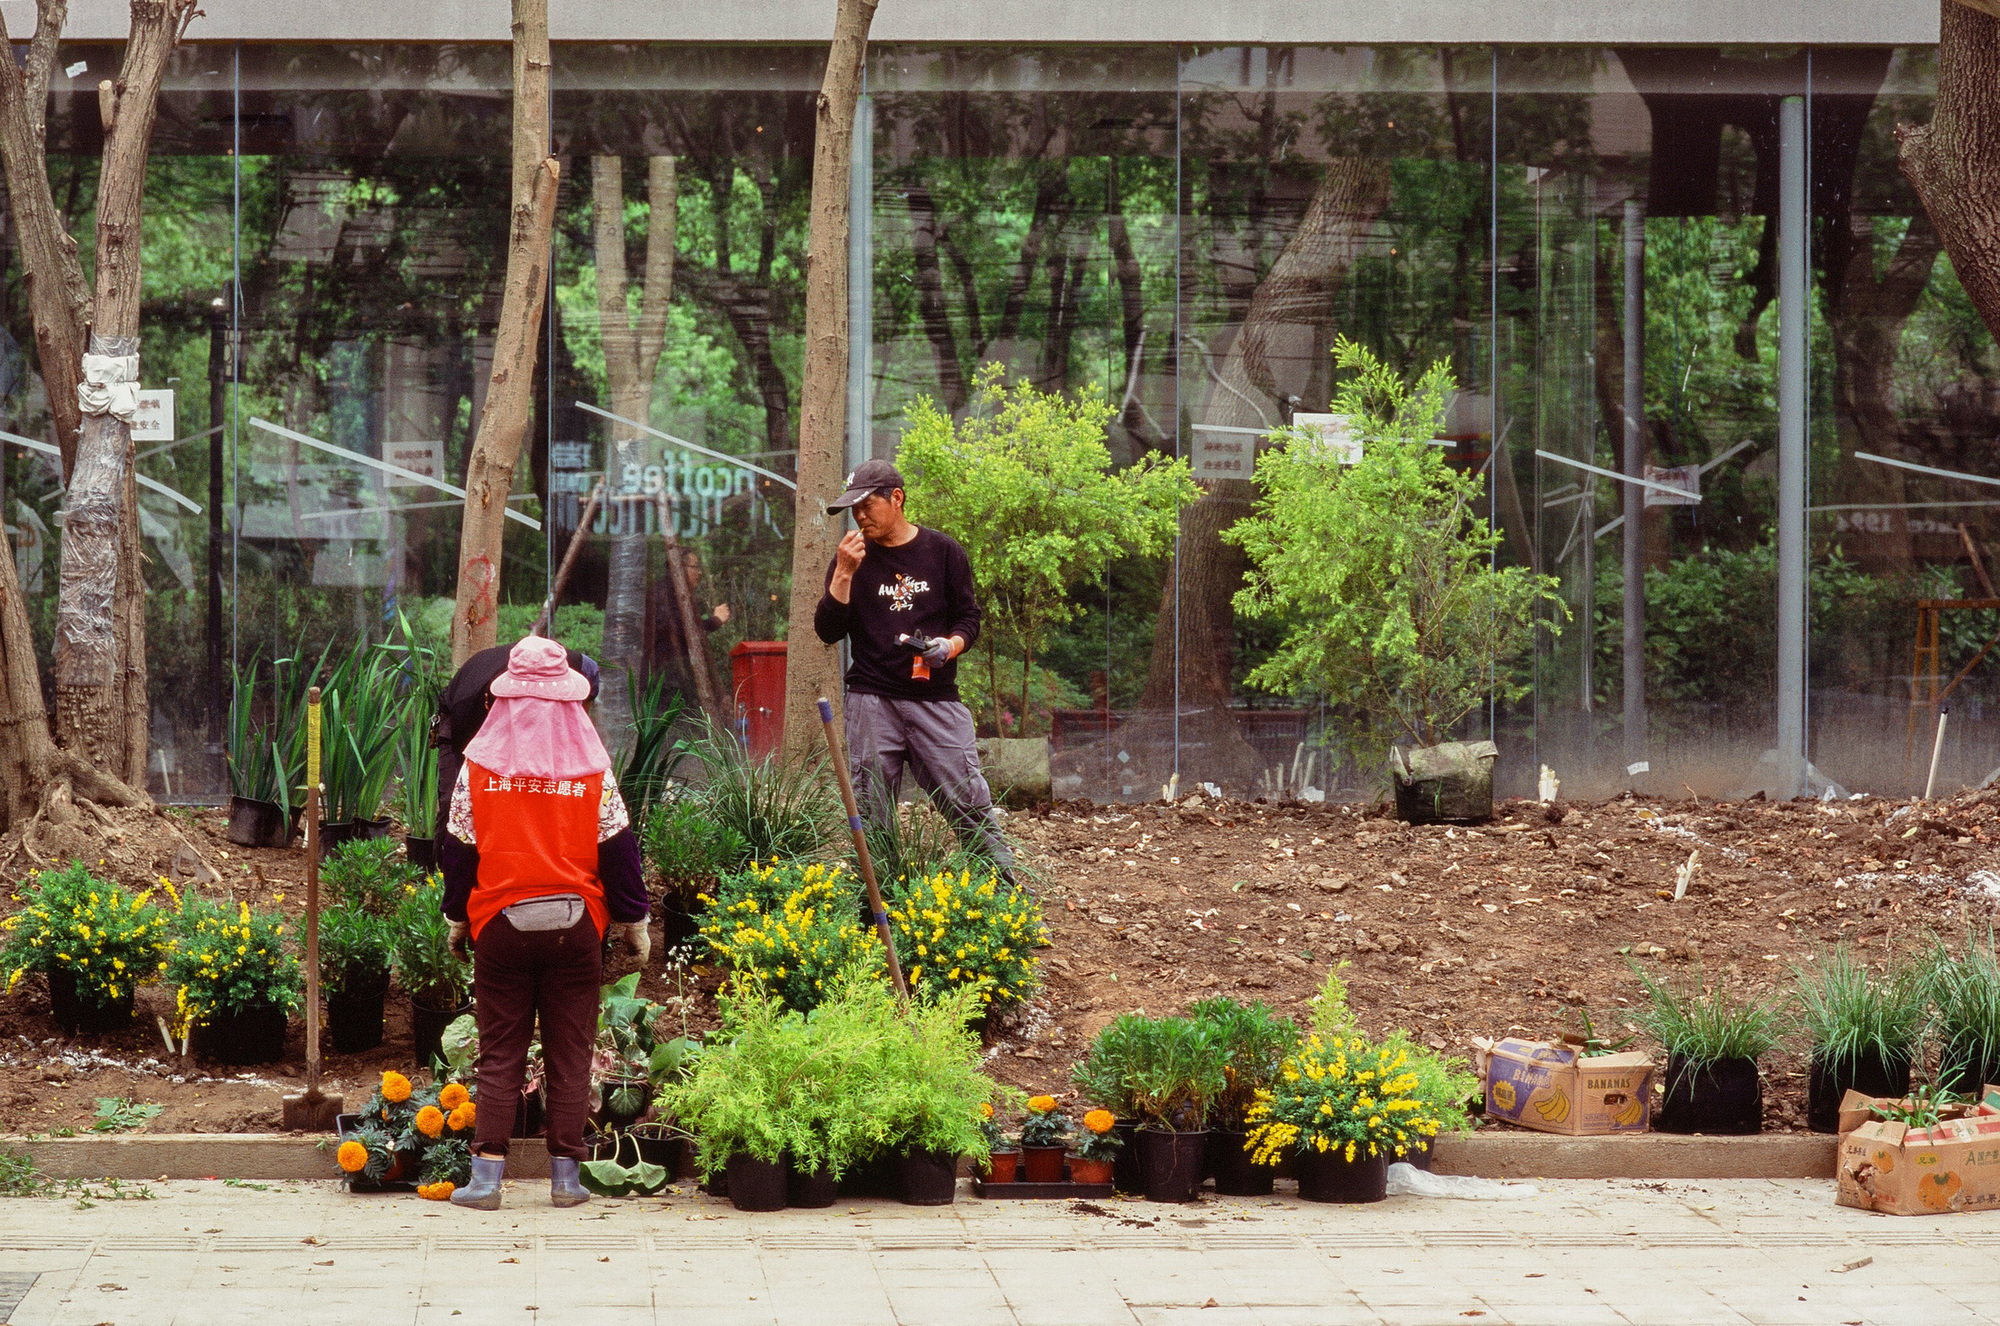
564,1189
482,1193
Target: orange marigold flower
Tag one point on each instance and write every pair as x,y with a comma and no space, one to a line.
1041,1104
1099,1121
453,1096
985,1109
395,1088
440,1191
353,1157
430,1121
461,1118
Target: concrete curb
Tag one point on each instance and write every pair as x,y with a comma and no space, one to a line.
1492,1153
1510,1154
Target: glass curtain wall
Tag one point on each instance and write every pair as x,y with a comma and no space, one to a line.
1583,235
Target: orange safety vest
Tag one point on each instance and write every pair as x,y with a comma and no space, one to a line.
536,837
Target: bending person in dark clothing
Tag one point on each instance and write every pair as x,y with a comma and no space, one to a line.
889,580
540,864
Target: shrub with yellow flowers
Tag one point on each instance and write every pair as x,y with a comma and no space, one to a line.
1341,1093
224,960
792,927
966,929
104,939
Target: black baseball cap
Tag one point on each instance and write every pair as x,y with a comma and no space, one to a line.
870,476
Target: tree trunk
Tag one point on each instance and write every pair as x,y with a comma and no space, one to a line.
631,359
510,392
100,644
1257,374
25,748
58,295
811,668
1954,161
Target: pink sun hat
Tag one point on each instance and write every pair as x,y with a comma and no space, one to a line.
539,669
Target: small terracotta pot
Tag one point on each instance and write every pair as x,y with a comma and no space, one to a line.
1002,1166
1041,1164
1089,1171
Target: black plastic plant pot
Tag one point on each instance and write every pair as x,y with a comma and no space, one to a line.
1963,1067
1125,1165
1329,1176
679,924
926,1178
673,1154
333,835
611,1117
1868,1073
254,823
75,1011
422,852
254,1034
1170,1164
756,1185
427,1026
1421,1154
1723,1098
354,1018
1234,1172
381,828
811,1189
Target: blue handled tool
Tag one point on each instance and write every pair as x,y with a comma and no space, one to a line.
855,827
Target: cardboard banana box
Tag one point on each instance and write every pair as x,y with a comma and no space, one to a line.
1558,1089
1888,1166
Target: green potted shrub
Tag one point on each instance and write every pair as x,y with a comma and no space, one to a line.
1713,1040
1177,1073
354,976
690,851
434,978
1384,581
367,874
1254,1041
1104,1077
1341,1108
1864,1031
1964,990
1044,1141
92,941
236,978
927,1087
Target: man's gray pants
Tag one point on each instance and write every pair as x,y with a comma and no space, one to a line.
934,740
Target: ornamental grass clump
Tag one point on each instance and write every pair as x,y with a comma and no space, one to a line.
224,961
1965,988
1705,1026
104,939
1849,1015
1344,1094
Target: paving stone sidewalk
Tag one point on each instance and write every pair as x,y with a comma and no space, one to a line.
1761,1251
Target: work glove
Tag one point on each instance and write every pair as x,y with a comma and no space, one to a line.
939,653
638,940
461,941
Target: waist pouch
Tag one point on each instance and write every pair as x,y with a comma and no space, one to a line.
557,913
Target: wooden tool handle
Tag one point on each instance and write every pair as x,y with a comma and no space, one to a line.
855,827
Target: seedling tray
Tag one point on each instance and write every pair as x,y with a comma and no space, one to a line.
1041,1191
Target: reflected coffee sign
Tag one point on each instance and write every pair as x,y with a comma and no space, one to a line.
696,491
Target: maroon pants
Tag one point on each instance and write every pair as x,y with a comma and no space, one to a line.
515,976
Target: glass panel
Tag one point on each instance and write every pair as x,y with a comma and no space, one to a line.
1024,216
1906,373
184,261
1327,191
375,189
1675,151
676,356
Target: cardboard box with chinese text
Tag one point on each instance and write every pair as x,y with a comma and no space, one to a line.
1558,1089
1887,1166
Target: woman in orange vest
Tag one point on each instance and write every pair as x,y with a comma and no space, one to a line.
540,864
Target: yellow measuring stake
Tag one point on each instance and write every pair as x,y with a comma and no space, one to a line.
312,744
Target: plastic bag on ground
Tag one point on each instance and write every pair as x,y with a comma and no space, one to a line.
1406,1180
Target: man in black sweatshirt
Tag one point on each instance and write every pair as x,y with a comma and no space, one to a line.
902,597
